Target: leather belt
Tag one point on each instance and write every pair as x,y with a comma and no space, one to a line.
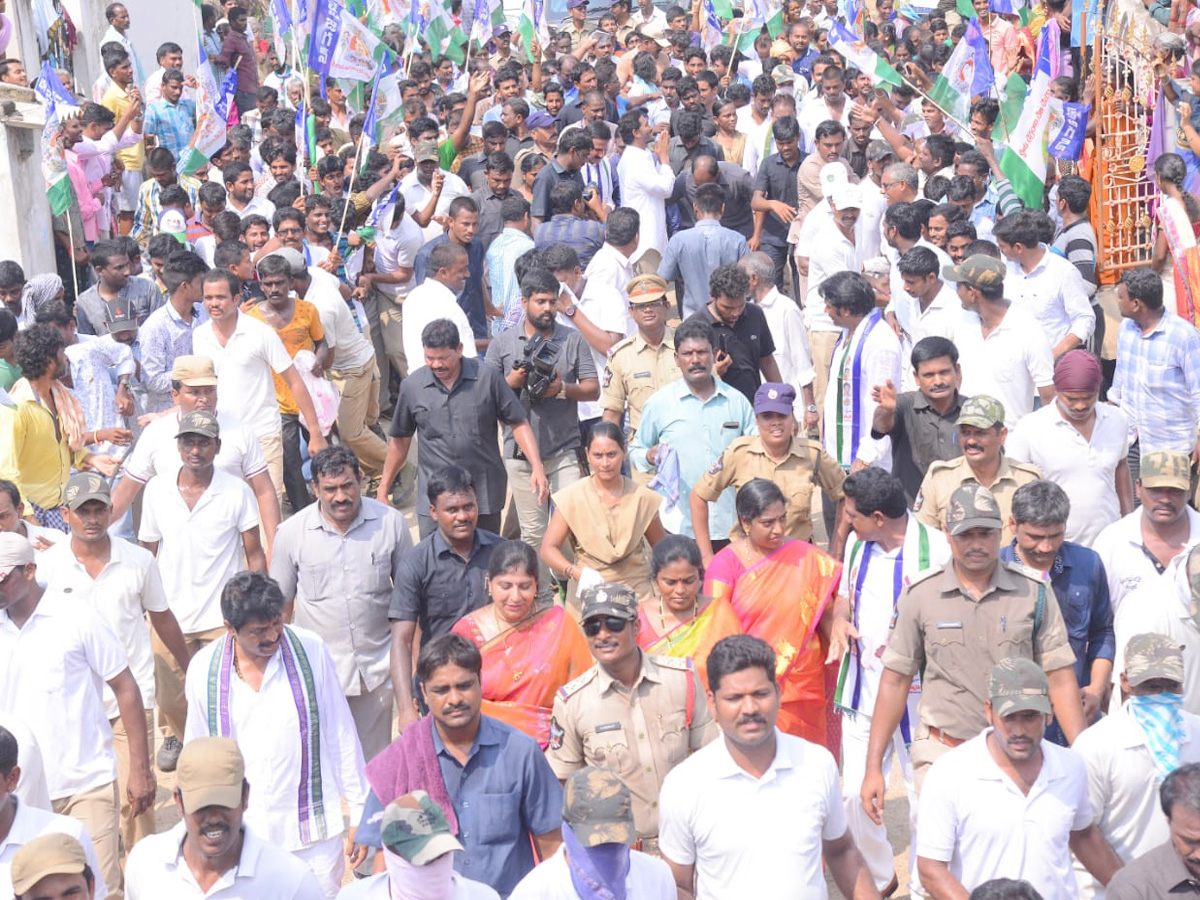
942,738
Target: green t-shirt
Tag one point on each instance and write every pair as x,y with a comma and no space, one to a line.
10,373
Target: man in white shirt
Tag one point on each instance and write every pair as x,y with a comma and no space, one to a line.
428,183
1080,444
1130,751
55,655
646,182
887,549
276,688
1138,548
396,247
598,829
931,306
121,581
792,353
418,848
790,809
248,351
1003,349
437,298
239,188
212,854
1008,803
867,356
1046,285
198,522
22,822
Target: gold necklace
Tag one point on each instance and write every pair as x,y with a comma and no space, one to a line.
662,618
500,633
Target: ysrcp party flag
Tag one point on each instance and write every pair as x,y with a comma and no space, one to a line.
1064,135
209,136
967,73
862,57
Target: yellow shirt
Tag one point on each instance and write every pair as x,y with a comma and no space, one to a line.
116,100
32,454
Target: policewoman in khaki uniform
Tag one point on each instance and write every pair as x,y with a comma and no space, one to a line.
951,626
981,434
777,453
636,714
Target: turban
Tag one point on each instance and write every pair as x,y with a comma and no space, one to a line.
1077,371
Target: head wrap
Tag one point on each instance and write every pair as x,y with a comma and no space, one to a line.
1077,370
38,293
432,881
597,873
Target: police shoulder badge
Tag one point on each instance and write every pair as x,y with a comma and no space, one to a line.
556,734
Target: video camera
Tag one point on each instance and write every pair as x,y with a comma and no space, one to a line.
538,362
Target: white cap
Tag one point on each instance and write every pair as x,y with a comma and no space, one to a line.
15,550
847,196
831,176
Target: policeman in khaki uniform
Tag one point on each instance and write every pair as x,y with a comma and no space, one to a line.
952,624
777,453
641,364
981,435
636,714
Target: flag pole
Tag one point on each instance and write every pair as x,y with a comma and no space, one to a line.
71,238
966,128
346,209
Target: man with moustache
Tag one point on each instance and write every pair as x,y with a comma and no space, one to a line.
1028,833
212,854
1171,869
303,756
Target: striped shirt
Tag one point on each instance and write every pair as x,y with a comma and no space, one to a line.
1157,382
1077,242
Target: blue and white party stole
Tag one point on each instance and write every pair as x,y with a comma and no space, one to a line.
311,802
849,385
850,678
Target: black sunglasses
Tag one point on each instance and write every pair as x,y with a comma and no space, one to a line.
612,624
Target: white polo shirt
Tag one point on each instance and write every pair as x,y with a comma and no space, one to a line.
1125,562
200,548
975,818
156,452
52,674
31,786
377,887
1053,293
753,837
397,249
156,869
1085,469
648,879
127,588
244,368
1123,786
350,348
1010,364
428,301
30,823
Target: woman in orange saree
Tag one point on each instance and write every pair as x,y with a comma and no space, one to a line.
528,652
678,620
781,590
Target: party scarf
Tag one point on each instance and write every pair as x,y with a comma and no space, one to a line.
432,881
1160,716
597,873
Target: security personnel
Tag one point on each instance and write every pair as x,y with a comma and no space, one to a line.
636,714
954,623
642,363
777,453
981,433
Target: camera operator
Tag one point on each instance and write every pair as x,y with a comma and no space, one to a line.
551,379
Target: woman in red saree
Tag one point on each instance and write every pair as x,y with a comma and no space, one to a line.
528,651
781,590
678,620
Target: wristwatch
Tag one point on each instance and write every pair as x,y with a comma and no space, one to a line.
812,407
570,311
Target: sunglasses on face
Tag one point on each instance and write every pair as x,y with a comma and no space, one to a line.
611,624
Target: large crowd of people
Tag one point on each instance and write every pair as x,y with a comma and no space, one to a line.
600,475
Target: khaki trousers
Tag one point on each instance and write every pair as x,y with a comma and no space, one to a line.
391,330
358,409
372,714
272,448
133,828
96,808
169,678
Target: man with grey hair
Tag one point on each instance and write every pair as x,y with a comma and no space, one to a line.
1171,869
1038,523
793,354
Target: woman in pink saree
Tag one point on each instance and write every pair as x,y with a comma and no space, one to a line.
528,651
1178,225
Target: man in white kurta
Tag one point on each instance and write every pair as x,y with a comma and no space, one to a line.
646,181
295,730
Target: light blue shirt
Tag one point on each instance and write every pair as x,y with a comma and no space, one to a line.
695,253
699,430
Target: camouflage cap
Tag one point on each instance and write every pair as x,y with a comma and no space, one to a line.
1153,656
1166,469
199,421
981,411
415,829
85,486
1018,684
979,271
598,807
972,506
608,599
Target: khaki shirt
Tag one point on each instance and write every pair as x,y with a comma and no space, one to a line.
746,459
958,640
945,476
634,372
577,34
640,735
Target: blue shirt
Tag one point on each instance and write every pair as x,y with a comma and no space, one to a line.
505,793
695,253
699,430
1081,588
1157,382
584,236
172,124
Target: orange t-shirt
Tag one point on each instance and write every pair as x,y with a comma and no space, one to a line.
301,333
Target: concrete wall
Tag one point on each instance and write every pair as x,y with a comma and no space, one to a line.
25,233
